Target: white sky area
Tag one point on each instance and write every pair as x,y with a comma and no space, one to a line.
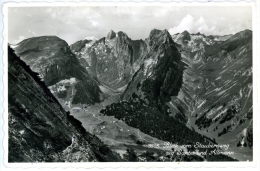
76,23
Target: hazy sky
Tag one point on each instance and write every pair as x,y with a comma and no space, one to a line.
77,23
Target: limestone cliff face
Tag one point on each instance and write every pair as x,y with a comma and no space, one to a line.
39,128
52,58
160,75
114,59
111,35
77,46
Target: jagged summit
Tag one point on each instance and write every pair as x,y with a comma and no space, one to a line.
122,34
185,32
111,34
158,32
155,31
159,36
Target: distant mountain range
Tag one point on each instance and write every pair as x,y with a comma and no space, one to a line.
184,88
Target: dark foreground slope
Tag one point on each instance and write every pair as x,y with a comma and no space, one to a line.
39,129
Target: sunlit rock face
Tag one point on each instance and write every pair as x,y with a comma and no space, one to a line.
52,58
113,60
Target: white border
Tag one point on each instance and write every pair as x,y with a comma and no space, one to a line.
255,21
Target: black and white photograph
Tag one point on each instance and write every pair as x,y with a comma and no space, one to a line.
129,83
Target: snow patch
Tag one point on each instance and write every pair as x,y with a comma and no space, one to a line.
71,81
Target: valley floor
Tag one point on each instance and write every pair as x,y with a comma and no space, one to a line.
119,136
113,132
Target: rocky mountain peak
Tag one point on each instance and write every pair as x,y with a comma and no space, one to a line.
122,35
42,42
122,41
157,32
185,32
111,34
158,37
55,61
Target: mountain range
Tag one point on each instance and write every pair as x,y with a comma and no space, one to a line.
183,88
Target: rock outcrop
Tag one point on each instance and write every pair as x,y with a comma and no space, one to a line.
111,35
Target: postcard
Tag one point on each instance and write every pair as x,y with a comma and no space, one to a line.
130,84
